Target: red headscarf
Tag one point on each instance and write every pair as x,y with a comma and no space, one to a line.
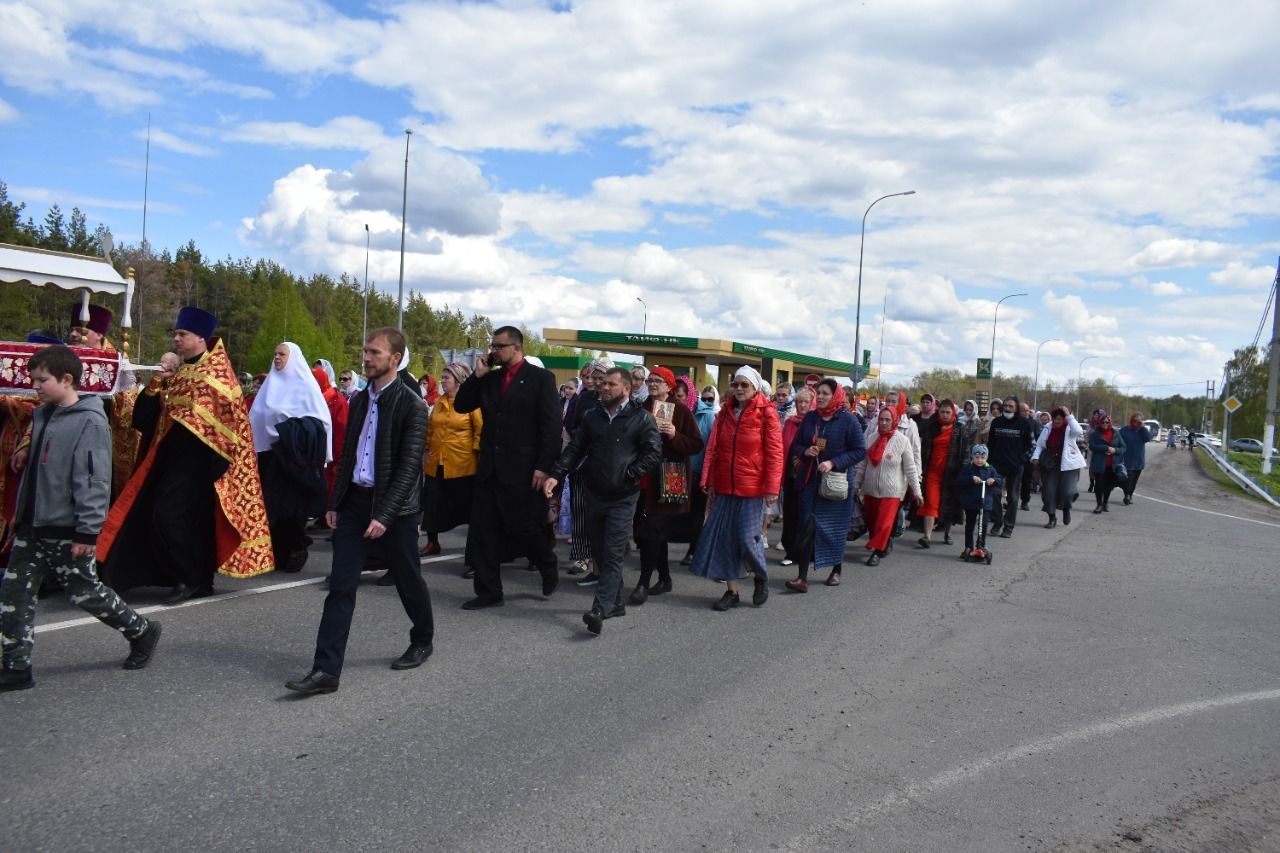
839,400
433,390
322,378
875,452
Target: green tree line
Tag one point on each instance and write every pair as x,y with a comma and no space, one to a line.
258,303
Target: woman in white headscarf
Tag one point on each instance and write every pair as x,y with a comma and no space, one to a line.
292,433
741,471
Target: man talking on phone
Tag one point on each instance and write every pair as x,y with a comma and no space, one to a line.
518,447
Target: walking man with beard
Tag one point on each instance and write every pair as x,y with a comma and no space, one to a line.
518,446
616,444
374,511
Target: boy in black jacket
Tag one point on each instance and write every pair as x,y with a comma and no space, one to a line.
62,503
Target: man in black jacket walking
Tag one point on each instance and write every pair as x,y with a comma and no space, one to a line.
374,510
1011,441
617,443
518,446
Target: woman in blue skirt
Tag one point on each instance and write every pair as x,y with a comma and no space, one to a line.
742,470
828,444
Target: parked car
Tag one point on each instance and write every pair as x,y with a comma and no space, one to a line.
1248,445
1211,440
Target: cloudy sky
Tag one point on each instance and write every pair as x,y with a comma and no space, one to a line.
1116,162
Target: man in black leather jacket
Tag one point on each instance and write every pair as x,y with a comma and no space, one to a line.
374,509
616,444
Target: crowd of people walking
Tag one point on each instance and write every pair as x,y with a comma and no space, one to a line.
227,481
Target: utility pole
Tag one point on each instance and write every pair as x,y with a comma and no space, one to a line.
1226,415
1273,378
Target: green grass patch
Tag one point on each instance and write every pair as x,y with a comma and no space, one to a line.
1251,463
1211,469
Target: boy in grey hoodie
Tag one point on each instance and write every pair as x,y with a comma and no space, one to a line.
62,503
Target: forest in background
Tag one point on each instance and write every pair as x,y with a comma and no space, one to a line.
259,303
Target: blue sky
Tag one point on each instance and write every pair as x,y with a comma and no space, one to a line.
1117,162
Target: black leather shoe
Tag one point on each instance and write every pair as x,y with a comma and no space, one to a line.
143,646
761,593
727,601
1066,515
616,611
386,580
1026,505
468,573
480,602
1006,533
413,656
594,620
179,594
638,596
550,580
874,559
16,679
1053,522
315,682
660,588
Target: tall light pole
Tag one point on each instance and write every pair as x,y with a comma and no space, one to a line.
645,331
857,316
991,380
1079,374
1035,391
364,328
404,209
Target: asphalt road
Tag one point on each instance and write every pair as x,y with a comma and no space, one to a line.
1120,676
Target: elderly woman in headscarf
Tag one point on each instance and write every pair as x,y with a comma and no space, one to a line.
790,510
1106,460
741,472
338,417
350,383
684,393
829,442
1058,458
665,491
705,414
293,435
639,386
885,476
453,455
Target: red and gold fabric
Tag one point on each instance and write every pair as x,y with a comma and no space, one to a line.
205,398
99,376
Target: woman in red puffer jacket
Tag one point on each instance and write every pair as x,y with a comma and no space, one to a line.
742,470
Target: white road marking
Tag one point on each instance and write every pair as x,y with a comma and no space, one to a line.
1208,511
919,790
226,596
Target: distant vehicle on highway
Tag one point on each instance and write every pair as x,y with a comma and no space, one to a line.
1153,426
1248,445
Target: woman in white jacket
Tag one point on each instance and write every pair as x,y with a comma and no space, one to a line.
1060,461
884,476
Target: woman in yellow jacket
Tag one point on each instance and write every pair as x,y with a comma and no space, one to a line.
453,450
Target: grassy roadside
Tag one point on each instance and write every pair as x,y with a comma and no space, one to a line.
1251,463
1213,472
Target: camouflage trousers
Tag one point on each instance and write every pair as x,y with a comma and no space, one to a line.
30,561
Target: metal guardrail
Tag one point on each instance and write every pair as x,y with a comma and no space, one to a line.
1237,476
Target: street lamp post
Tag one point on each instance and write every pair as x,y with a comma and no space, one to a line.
991,380
364,328
857,317
404,210
1079,374
645,330
1035,390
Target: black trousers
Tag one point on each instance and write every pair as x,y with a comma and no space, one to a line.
398,548
492,542
182,526
1131,485
1004,506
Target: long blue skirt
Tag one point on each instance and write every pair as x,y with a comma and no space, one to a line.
831,521
731,546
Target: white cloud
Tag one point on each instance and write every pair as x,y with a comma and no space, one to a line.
1165,288
1239,276
347,132
169,141
1072,313
1180,253
7,112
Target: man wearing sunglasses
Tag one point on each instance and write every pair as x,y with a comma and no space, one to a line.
518,447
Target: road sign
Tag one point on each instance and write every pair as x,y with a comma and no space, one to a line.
857,373
1232,404
984,368
866,359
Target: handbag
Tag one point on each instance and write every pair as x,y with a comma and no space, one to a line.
833,486
1121,472
675,484
1050,461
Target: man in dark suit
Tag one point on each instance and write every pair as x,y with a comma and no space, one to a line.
518,446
